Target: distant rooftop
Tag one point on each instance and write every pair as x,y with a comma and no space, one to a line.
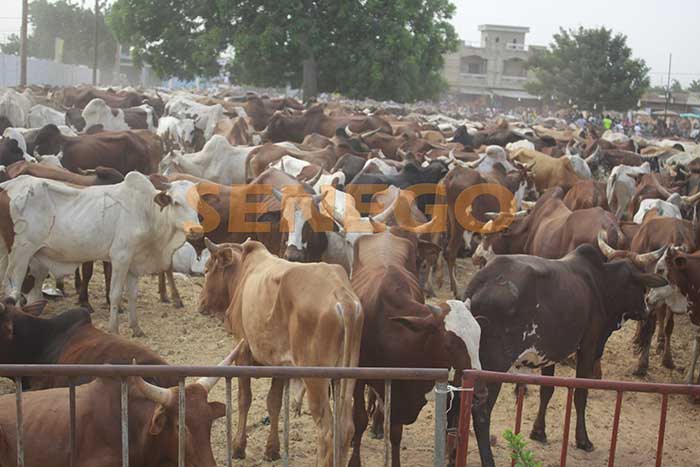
503,28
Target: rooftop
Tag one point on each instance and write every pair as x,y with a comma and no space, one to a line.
503,28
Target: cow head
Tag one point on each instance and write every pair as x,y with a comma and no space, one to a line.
161,431
10,152
303,221
75,120
219,276
683,293
450,332
510,239
178,201
49,140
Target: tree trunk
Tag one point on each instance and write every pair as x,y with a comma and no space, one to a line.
310,80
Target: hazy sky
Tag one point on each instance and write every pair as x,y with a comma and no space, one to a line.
654,28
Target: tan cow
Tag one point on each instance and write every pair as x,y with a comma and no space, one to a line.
548,171
289,314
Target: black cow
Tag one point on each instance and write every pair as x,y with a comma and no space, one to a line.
10,152
409,176
539,311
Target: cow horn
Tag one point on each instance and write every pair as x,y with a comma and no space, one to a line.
606,249
426,227
648,259
377,227
691,199
211,246
277,193
528,204
370,133
349,132
316,177
592,158
157,394
210,381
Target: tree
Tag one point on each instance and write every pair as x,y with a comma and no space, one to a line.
589,67
72,23
676,86
694,86
375,48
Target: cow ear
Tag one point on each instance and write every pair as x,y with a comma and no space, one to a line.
162,199
160,417
652,280
415,323
7,330
218,410
680,262
226,256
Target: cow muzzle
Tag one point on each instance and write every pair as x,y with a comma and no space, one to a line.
294,254
194,232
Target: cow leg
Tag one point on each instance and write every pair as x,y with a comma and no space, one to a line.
453,245
61,285
83,297
667,360
162,289
642,342
274,405
245,396
132,291
376,410
116,286
584,369
173,288
395,436
77,281
39,273
694,359
481,414
539,432
107,271
317,397
17,264
360,419
660,334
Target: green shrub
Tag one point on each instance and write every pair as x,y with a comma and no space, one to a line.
522,456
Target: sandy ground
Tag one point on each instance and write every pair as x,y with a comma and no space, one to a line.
186,337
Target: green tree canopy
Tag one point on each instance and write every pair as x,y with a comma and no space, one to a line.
375,48
676,86
72,23
589,67
694,86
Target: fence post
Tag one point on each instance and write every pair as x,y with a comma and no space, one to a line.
567,424
125,421
465,417
181,423
229,415
336,423
387,423
662,430
71,400
285,421
440,423
616,426
20,427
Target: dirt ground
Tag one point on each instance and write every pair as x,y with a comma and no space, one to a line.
186,337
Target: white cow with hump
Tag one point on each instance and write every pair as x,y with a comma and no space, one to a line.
621,186
58,227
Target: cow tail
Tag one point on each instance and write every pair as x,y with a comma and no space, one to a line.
352,317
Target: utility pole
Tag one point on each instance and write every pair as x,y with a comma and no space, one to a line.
97,41
23,44
668,89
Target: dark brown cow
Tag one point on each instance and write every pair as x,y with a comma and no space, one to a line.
585,195
124,150
284,127
153,427
654,234
649,186
236,130
261,109
401,331
539,311
69,338
550,230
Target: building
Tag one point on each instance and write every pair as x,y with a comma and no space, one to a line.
679,102
492,73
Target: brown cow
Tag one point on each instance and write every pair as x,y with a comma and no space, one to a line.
289,314
261,157
98,176
153,427
402,331
548,171
236,130
585,195
260,109
649,186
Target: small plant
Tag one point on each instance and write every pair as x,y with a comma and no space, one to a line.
522,456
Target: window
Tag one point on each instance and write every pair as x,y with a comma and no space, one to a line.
498,39
473,65
514,67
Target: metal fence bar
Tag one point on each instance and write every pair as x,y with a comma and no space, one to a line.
336,423
125,421
518,413
285,425
387,422
616,426
229,416
20,422
71,402
567,424
662,430
465,417
440,423
181,424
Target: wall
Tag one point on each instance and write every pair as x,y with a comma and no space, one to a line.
42,72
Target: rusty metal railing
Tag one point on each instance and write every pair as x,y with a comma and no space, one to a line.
471,377
333,373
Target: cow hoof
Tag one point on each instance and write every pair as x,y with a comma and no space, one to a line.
376,434
87,306
238,453
585,446
164,300
179,304
137,332
271,454
640,371
538,435
668,363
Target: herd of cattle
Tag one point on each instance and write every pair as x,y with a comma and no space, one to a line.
323,230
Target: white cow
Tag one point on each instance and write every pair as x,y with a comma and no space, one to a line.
669,208
621,185
177,132
41,115
205,116
494,155
580,166
132,225
293,166
218,161
384,167
97,112
185,260
15,107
